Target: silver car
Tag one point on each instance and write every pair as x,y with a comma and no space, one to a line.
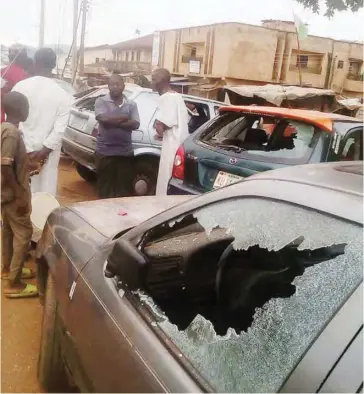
79,140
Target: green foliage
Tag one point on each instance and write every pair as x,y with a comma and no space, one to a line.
333,5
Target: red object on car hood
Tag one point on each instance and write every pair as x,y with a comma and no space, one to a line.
113,216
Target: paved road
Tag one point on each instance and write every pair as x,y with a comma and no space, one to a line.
21,319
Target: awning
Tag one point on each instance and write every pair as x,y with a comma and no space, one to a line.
183,84
208,87
276,94
350,103
173,79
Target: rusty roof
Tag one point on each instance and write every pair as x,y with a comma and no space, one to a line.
323,120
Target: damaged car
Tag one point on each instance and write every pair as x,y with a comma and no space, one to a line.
256,287
245,140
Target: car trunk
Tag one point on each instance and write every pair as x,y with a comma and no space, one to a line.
237,146
82,125
208,168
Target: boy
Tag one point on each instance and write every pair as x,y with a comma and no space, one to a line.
15,199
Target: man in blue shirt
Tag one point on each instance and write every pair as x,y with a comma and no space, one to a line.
117,117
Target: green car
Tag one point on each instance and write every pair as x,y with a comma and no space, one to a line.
245,140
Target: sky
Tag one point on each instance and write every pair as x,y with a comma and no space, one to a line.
112,21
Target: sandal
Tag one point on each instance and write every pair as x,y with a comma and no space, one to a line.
28,291
26,273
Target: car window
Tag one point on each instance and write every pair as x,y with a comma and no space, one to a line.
147,105
353,146
198,115
88,103
216,109
262,136
243,287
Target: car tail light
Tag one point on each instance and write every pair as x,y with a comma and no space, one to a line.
95,131
179,164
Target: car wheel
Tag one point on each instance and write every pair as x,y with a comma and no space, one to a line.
86,174
145,178
52,373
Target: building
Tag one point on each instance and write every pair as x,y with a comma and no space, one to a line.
133,55
236,54
98,54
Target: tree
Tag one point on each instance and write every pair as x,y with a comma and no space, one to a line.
333,5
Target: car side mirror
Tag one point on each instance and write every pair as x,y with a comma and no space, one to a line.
128,263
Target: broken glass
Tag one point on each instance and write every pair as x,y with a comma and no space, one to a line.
260,359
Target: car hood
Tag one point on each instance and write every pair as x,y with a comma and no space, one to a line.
113,216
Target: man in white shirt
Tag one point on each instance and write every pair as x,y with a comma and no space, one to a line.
49,107
171,125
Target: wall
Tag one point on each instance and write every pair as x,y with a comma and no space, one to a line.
317,49
146,56
168,50
251,58
102,53
259,55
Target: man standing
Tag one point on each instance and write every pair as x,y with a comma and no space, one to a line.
117,117
171,125
49,110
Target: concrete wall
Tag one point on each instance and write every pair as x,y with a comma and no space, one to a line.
168,49
252,52
131,55
92,53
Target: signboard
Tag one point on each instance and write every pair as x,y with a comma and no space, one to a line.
156,47
195,67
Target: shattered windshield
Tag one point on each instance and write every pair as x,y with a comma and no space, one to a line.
259,356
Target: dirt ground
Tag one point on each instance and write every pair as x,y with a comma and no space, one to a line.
21,319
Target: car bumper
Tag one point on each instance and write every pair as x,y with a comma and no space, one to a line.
177,188
79,153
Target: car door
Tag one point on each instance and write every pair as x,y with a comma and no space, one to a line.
117,350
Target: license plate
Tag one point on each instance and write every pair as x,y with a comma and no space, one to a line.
77,122
224,179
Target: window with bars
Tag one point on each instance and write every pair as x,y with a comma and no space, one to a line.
302,60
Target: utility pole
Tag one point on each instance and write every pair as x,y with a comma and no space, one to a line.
74,43
85,8
42,23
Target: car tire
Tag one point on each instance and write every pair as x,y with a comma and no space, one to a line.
145,176
86,174
52,373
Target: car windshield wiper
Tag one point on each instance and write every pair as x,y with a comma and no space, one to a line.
234,148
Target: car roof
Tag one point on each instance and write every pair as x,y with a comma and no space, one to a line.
186,96
322,120
346,177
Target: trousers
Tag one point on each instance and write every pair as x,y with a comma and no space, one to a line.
114,176
16,235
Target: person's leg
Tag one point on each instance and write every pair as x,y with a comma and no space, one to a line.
104,176
21,226
124,178
6,242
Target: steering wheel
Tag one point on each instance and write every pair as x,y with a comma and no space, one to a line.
220,267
